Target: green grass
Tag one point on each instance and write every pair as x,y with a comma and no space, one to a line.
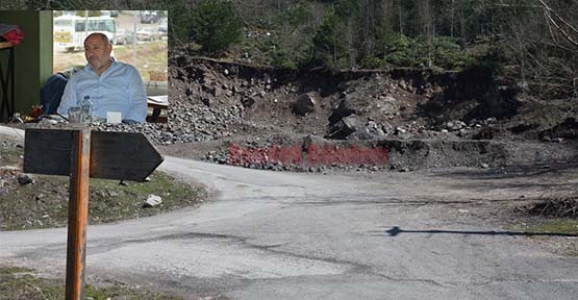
10,156
44,203
565,226
111,202
562,226
19,283
545,226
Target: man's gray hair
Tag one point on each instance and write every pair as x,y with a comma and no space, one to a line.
102,36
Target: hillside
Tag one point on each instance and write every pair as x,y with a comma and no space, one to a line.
465,115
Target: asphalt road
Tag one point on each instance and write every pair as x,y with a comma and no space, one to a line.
269,235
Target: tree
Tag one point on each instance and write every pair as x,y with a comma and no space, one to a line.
215,26
327,39
180,22
426,26
293,34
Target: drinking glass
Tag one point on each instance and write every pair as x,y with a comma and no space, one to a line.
74,114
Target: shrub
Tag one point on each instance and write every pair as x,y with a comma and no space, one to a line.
448,55
282,59
372,62
443,52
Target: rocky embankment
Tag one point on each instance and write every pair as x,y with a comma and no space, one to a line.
268,118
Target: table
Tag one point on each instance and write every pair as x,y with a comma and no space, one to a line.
7,83
157,103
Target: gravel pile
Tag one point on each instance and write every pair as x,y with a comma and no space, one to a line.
158,133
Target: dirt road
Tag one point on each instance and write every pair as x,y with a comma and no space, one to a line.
268,235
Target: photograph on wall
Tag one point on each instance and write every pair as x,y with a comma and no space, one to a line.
138,38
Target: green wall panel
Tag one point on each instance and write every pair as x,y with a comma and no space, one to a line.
33,57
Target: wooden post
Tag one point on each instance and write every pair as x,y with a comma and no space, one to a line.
78,214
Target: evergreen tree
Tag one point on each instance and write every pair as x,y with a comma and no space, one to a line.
329,41
215,26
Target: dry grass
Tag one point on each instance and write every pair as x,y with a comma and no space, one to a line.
19,283
556,208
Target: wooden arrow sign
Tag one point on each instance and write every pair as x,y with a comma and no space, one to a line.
81,154
113,155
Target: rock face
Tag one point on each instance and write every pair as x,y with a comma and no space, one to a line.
213,100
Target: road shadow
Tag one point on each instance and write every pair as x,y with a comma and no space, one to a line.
396,230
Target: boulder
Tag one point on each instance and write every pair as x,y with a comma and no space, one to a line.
343,110
248,102
304,104
342,129
24,179
369,131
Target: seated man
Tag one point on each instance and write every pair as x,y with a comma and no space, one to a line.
110,85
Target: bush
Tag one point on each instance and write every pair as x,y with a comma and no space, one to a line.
372,62
443,52
282,59
400,52
449,55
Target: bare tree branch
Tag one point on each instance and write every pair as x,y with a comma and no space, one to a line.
551,20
